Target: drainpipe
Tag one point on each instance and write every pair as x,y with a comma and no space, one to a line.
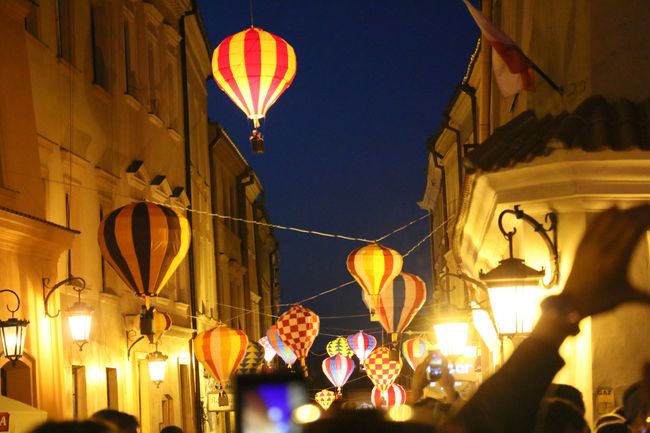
459,151
213,203
274,258
445,210
198,406
258,206
471,92
244,180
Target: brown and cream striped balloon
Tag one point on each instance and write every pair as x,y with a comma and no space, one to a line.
144,243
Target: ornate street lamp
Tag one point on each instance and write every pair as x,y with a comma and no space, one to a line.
157,363
80,315
513,287
13,332
451,327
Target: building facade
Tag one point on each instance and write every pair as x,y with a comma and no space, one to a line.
105,103
573,153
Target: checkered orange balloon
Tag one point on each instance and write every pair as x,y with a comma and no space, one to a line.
381,370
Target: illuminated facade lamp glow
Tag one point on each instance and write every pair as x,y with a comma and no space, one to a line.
306,414
452,337
485,328
451,327
157,363
12,331
80,317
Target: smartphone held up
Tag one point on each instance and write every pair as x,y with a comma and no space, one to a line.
436,365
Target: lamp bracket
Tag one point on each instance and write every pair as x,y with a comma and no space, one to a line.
550,219
12,311
130,335
464,277
78,284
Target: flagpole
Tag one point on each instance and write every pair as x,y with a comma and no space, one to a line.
546,78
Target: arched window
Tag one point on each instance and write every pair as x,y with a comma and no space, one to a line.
17,381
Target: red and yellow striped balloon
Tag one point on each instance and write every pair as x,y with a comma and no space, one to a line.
144,243
415,350
162,322
393,396
221,350
374,267
400,302
254,68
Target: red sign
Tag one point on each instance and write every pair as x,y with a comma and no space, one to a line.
4,421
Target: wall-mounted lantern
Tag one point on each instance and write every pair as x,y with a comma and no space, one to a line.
514,288
157,363
80,315
12,331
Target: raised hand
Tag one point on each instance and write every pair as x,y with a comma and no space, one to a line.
598,281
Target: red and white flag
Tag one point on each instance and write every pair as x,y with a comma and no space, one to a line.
513,71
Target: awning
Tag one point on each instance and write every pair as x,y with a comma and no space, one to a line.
21,418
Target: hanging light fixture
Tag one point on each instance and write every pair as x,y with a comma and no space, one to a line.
13,332
451,327
515,289
80,315
157,363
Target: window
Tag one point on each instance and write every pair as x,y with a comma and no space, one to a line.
112,401
167,410
99,35
16,381
64,30
79,410
172,92
31,20
152,76
129,59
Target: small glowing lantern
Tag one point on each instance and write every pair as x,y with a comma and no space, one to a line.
13,332
80,318
451,327
80,315
13,338
515,289
157,363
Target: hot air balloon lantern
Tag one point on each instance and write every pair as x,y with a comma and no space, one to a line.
254,67
415,350
144,243
338,369
374,267
269,351
393,396
339,346
362,345
253,359
298,328
382,369
220,350
399,302
282,349
325,398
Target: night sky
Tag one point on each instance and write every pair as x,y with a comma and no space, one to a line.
345,144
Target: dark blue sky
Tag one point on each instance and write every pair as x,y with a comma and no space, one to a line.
345,144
